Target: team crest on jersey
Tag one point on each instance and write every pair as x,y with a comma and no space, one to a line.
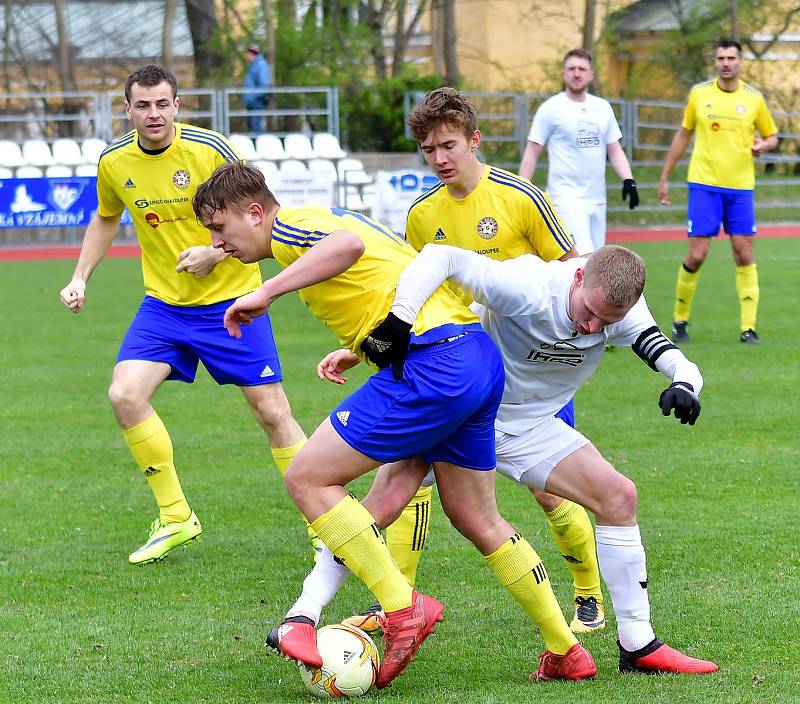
740,109
181,178
487,228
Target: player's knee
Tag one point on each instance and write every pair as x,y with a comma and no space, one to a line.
619,502
124,398
273,412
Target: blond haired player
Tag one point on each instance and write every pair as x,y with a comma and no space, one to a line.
493,212
432,409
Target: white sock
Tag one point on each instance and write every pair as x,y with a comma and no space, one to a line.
319,587
624,568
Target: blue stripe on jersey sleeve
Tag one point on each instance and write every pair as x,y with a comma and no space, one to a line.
541,203
210,138
295,236
226,154
425,195
122,142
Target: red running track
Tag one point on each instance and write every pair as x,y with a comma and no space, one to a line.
16,254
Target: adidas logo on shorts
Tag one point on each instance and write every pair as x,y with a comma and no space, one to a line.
267,371
343,416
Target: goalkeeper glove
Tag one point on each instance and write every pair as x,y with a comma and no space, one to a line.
629,189
680,396
388,344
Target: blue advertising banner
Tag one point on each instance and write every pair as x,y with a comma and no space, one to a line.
49,202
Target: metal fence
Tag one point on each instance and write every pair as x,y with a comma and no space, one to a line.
647,128
80,115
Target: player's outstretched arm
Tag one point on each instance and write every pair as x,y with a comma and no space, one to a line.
200,260
331,256
96,243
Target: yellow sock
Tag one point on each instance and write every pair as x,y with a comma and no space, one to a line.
283,457
520,570
405,538
747,288
151,447
349,530
572,530
684,292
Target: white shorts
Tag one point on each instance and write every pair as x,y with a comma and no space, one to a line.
529,458
585,221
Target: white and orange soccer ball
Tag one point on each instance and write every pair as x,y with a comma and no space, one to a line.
350,663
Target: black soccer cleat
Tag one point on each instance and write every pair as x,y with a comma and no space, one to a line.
750,337
679,333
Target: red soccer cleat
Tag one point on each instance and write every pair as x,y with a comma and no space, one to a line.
404,632
296,638
657,658
576,664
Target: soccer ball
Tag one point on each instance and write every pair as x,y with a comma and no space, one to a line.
350,663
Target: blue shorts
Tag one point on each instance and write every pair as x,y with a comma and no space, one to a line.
708,209
181,336
443,410
567,414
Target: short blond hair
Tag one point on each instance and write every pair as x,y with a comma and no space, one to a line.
618,272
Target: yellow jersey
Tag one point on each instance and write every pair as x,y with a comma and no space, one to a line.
157,190
724,123
353,303
504,217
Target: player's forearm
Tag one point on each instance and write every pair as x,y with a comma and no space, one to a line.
330,257
530,158
770,143
619,162
434,265
96,243
674,365
676,150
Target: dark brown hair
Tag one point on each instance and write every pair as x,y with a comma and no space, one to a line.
442,106
580,53
150,76
229,188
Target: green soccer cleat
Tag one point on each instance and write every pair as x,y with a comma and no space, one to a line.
165,537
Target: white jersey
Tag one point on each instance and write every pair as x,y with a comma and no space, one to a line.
577,135
525,309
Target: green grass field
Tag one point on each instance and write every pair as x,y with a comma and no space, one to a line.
719,507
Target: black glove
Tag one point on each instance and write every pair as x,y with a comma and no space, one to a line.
629,189
388,344
682,398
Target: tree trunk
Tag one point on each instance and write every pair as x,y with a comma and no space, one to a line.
63,58
374,20
452,74
589,13
167,53
734,20
203,22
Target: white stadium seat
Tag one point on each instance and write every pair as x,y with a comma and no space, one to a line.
266,167
35,152
244,146
6,173
10,154
29,172
86,170
352,171
326,146
323,166
92,149
67,152
270,147
293,166
58,171
298,146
